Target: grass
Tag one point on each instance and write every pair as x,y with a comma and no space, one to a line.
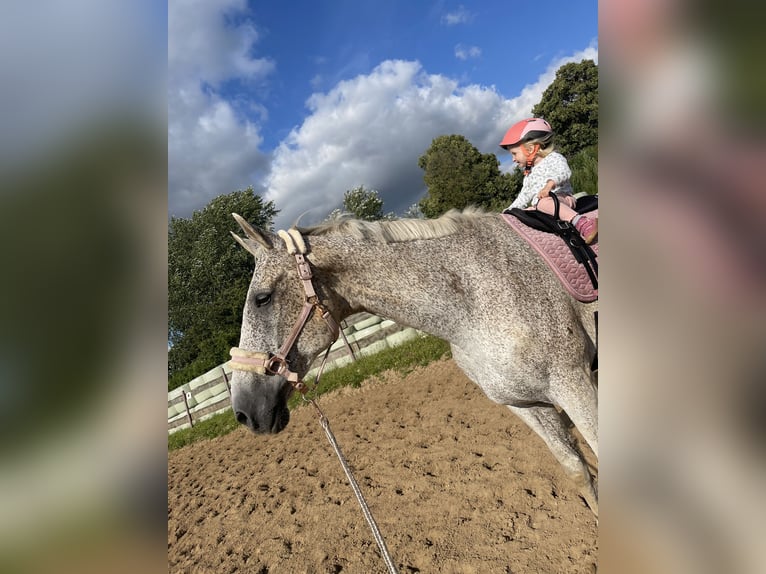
403,359
217,425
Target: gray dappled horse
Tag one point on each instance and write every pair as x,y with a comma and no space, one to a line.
465,277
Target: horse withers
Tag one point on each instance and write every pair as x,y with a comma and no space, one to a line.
464,277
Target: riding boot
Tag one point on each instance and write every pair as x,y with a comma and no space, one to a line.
588,228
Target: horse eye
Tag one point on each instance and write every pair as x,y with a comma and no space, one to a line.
262,299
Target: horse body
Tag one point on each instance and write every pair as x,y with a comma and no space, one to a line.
465,278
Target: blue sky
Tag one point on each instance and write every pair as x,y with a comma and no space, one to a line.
304,100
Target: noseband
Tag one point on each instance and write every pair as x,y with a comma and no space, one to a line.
276,363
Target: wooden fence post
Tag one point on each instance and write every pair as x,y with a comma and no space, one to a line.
226,379
188,412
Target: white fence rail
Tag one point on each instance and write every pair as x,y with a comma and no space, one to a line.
210,393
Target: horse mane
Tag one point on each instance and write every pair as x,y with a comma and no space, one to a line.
396,230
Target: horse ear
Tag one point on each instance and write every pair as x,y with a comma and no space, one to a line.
248,244
253,235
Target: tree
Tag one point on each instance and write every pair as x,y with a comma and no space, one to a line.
208,278
458,175
413,212
508,187
584,167
570,104
363,203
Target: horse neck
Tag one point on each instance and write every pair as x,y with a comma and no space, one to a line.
410,283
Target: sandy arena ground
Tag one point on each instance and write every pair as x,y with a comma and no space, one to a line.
456,483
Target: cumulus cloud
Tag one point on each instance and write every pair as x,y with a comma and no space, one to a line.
212,149
372,129
463,52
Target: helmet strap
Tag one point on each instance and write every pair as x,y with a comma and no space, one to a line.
531,158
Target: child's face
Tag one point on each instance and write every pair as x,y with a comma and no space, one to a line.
519,155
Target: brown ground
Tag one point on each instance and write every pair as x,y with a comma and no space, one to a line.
456,483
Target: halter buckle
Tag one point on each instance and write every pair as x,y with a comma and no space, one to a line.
275,365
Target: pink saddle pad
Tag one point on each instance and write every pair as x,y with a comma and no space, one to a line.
559,258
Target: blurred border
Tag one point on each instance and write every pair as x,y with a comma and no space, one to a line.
682,329
83,225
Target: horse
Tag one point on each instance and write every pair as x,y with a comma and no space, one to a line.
465,277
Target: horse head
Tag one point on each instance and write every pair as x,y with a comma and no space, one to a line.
282,329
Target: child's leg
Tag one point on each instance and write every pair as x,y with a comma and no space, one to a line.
566,213
587,227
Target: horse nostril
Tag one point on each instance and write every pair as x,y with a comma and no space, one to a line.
241,418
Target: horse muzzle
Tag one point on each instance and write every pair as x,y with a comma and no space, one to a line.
261,407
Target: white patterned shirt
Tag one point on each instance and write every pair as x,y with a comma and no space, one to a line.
553,166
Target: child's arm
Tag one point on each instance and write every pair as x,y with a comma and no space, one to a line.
525,197
556,172
546,190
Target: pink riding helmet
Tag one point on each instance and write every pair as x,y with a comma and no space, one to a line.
525,130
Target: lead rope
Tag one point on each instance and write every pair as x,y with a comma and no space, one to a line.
357,491
325,422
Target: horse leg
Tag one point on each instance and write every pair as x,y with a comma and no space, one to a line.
548,424
578,398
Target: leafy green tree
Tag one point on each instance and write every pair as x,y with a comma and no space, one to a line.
584,167
363,203
458,175
570,104
208,277
508,187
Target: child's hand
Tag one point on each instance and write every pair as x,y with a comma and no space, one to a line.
546,191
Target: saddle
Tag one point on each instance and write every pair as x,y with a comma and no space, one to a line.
560,245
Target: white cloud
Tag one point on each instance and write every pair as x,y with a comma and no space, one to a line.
589,53
211,148
463,52
372,129
210,151
459,16
202,45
